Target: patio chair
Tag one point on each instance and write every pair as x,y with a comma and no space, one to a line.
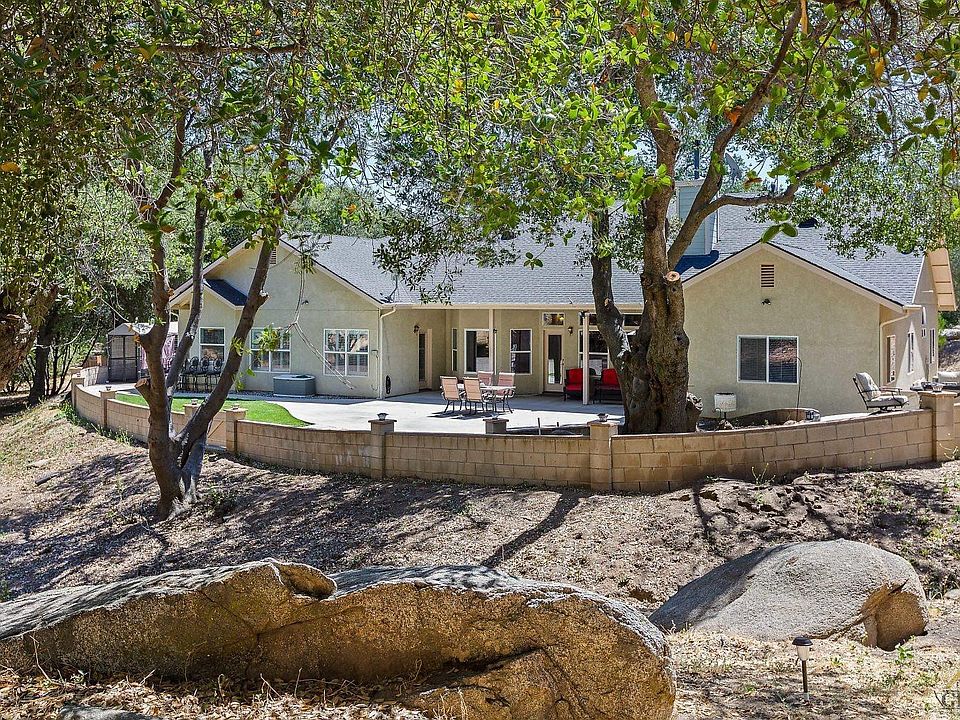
213,373
186,375
451,393
876,398
573,385
200,379
474,395
506,381
486,378
609,383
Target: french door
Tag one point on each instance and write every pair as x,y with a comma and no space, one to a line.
553,360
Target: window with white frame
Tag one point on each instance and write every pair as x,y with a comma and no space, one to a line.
212,343
767,358
521,352
553,319
273,360
598,357
911,349
346,352
477,344
454,352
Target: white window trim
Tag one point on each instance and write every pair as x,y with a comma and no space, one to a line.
269,369
489,348
525,352
198,346
911,349
768,338
454,351
328,370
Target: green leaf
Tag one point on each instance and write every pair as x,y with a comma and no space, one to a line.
770,233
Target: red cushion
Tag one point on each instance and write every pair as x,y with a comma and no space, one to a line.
609,378
575,377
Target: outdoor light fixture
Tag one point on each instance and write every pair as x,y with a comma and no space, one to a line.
416,329
803,645
569,329
602,416
381,416
236,406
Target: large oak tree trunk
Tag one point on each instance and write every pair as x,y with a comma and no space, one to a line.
41,365
20,320
651,362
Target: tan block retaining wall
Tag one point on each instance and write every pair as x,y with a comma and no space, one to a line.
603,461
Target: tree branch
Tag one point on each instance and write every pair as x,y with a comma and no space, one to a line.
200,213
176,167
205,49
739,120
783,198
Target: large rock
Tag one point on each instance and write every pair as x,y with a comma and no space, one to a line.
819,589
481,641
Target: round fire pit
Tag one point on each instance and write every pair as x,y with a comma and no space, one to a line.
291,385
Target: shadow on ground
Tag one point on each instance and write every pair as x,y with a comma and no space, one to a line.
90,520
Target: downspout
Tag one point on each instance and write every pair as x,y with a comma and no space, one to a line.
380,318
493,342
585,349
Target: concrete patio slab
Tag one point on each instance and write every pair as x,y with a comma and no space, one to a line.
423,412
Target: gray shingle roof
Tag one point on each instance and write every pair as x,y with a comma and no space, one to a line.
564,278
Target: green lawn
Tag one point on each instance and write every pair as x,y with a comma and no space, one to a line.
258,410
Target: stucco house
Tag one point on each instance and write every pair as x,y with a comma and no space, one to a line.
780,324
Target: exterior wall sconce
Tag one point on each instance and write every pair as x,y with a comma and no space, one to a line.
765,301
569,329
416,329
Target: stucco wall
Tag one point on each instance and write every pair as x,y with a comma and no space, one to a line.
836,327
329,305
401,361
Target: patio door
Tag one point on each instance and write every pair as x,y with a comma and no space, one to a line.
424,360
553,360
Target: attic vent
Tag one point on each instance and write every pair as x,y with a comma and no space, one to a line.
766,276
273,257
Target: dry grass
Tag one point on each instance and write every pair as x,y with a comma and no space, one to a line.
719,678
28,697
722,677
89,521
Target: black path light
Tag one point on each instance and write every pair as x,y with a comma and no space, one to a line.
803,645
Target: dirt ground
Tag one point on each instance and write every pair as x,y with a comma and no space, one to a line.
949,358
76,507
